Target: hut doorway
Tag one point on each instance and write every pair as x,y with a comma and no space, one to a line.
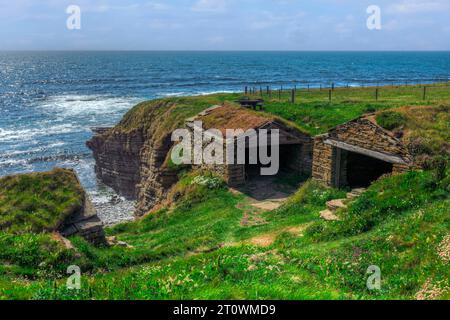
289,162
356,170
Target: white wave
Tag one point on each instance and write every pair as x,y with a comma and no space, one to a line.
82,105
198,93
27,151
24,165
205,93
41,130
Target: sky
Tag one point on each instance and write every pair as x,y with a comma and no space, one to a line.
225,25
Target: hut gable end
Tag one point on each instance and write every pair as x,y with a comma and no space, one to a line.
365,134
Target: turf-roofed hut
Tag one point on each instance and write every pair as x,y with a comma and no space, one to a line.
295,144
357,153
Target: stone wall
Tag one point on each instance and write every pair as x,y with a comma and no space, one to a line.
322,168
366,134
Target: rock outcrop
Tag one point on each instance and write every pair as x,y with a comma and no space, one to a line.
131,157
132,163
84,223
117,158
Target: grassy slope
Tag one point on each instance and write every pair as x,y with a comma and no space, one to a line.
38,201
399,225
318,261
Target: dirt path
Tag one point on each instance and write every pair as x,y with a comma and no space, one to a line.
262,194
265,240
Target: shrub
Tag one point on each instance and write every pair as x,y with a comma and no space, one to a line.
390,120
211,182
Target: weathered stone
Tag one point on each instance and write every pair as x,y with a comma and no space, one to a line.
328,215
132,164
85,223
336,204
355,193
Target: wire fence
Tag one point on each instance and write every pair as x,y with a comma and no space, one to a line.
420,88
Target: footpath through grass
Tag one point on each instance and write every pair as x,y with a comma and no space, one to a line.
401,224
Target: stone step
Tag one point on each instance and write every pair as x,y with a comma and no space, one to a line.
336,204
328,215
355,193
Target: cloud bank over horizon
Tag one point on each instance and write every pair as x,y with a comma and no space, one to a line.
225,25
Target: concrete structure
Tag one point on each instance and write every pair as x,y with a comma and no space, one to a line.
357,153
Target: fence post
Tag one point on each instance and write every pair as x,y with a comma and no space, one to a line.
279,94
329,95
376,94
267,89
424,92
332,86
293,96
246,90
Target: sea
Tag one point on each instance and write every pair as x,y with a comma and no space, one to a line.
49,101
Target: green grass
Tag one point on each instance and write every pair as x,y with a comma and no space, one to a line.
39,201
390,120
197,248
404,242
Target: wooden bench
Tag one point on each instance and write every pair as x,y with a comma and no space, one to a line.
251,103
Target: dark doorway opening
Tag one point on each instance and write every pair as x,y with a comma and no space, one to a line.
289,161
363,170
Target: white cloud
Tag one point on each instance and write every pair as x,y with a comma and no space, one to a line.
266,20
210,6
153,6
419,6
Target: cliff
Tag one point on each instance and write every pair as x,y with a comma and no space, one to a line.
131,157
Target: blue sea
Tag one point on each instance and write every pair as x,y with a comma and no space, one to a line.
50,100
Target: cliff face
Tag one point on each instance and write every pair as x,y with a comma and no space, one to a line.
117,158
130,158
155,178
133,165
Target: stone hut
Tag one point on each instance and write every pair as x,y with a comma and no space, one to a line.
357,153
295,145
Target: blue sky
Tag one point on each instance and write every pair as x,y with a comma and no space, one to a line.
225,25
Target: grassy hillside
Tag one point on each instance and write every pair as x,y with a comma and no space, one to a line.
196,245
199,249
39,201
